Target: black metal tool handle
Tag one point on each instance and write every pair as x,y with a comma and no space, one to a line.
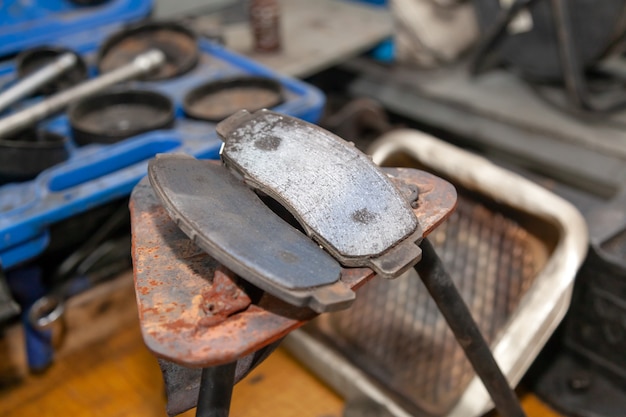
457,315
495,34
216,390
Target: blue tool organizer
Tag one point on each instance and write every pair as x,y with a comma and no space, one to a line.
28,23
97,174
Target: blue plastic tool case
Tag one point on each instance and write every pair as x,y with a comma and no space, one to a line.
97,174
28,23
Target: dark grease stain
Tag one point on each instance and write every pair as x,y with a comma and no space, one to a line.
363,216
267,143
255,379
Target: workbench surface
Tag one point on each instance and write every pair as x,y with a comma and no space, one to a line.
119,377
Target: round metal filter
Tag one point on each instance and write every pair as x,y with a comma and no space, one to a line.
177,43
113,116
25,155
33,59
217,100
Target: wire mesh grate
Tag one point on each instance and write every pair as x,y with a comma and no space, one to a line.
394,330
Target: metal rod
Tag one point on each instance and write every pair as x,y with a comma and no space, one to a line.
495,34
141,65
216,390
37,79
459,318
570,63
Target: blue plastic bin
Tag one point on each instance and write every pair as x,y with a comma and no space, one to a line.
29,23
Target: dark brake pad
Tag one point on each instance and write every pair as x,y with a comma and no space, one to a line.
341,199
230,222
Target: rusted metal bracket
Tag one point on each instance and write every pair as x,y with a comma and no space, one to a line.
196,313
175,286
341,200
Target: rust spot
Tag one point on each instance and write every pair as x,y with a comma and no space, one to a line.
425,188
150,310
255,379
223,299
178,325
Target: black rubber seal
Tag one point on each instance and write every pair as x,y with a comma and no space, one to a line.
26,154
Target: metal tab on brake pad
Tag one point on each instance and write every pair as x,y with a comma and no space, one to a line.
342,200
231,223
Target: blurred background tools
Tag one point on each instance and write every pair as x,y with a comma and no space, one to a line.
516,111
69,169
37,79
141,65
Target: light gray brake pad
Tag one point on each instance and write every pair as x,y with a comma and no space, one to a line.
230,222
341,199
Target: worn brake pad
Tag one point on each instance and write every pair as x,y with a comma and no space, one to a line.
230,222
341,199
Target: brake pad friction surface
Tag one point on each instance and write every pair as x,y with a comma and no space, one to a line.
231,223
336,192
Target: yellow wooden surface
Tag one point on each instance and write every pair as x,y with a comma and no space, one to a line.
118,377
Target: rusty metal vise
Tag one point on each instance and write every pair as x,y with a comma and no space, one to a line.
229,258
